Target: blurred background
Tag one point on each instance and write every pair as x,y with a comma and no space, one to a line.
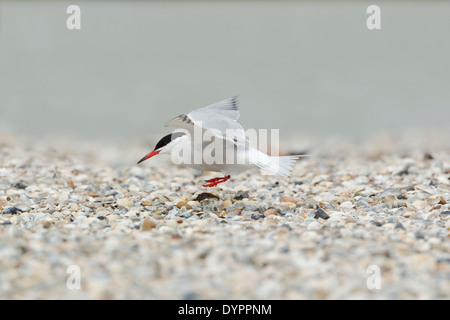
307,67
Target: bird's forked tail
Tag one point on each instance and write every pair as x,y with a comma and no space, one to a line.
280,166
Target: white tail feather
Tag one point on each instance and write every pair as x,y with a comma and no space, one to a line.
281,166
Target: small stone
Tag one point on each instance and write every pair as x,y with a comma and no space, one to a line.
131,214
20,185
226,203
321,214
212,205
125,202
325,196
428,156
222,214
433,200
45,223
23,207
257,216
241,195
182,204
148,224
186,214
5,222
43,219
362,203
12,210
405,171
270,211
251,207
399,226
390,199
420,205
288,199
314,225
346,205
444,213
206,195
391,191
159,211
232,211
193,203
419,235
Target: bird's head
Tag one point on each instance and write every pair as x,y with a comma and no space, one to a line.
165,145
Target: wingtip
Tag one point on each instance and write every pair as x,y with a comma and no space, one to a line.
235,100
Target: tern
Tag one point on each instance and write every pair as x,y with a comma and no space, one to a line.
233,153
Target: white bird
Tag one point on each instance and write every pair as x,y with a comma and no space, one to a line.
218,119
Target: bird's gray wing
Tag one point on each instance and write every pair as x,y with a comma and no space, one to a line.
228,108
219,117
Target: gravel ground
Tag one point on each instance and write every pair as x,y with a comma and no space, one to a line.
73,209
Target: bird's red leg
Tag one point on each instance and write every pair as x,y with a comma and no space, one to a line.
215,181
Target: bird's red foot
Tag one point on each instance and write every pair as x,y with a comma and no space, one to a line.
215,181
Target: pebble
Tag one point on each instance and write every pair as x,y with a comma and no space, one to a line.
319,213
206,195
148,224
20,185
271,211
288,199
362,203
227,203
257,216
182,204
346,205
445,213
124,202
11,210
391,192
241,195
186,214
314,225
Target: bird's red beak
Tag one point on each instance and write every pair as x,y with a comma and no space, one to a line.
151,154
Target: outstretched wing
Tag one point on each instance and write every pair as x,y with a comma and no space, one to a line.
219,117
228,108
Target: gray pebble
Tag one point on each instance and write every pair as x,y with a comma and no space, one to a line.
391,191
399,226
186,214
319,213
20,185
257,216
241,195
12,210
